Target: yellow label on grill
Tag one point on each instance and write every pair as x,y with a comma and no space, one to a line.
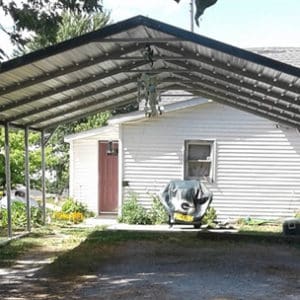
182,217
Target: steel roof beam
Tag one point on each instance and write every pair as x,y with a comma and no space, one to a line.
18,126
160,70
234,81
81,96
155,58
91,111
205,94
231,68
89,102
66,87
276,109
150,41
245,101
240,92
69,100
63,70
81,115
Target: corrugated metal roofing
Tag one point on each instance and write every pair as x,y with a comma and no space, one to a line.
99,71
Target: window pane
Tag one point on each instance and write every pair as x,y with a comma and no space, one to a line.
198,169
198,152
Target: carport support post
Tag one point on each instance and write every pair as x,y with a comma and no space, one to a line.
43,175
8,178
27,179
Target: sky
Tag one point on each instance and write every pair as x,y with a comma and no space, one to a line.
242,23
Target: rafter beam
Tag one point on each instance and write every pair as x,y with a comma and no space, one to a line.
254,101
215,75
69,100
231,67
150,40
160,70
63,70
92,110
242,102
79,97
67,87
89,102
204,82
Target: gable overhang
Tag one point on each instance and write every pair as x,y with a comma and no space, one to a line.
99,71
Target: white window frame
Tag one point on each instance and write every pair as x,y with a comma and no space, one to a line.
211,159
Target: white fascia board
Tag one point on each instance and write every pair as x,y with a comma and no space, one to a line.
89,133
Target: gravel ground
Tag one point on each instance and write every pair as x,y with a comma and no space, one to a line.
150,270
170,269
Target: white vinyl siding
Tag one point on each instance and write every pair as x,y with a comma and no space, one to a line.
84,187
257,164
84,166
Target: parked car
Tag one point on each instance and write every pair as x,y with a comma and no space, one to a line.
18,195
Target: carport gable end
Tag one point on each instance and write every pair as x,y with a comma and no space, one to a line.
78,77
90,73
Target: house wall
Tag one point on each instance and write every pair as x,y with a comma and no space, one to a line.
84,166
84,172
257,164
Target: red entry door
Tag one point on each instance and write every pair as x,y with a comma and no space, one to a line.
108,177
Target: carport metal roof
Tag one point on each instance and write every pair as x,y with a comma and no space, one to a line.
99,71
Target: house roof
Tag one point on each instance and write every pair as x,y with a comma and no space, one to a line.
99,71
288,55
132,117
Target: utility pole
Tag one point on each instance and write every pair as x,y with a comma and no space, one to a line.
192,15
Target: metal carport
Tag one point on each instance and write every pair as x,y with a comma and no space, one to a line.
99,71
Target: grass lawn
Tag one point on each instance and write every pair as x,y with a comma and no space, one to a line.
57,238
266,229
60,240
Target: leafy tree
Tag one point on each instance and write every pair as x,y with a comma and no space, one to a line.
75,25
72,23
17,158
42,18
60,150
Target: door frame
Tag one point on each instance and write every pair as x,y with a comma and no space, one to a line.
99,178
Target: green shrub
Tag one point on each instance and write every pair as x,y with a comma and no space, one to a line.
72,211
133,213
19,215
297,214
157,214
209,217
72,206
